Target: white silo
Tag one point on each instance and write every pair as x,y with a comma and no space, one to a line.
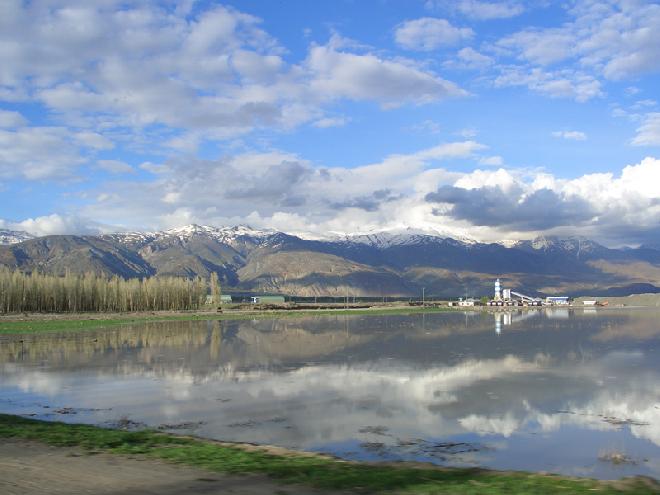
498,290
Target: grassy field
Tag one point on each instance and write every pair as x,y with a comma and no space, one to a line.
310,469
59,323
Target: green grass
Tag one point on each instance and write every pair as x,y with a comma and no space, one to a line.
312,470
73,324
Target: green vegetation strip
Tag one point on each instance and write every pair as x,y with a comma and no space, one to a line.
59,324
309,469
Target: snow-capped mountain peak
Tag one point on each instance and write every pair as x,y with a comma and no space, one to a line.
13,236
508,243
572,243
397,237
223,234
380,239
576,245
186,232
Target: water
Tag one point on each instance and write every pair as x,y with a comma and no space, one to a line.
560,391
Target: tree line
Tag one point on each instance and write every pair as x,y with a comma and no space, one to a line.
39,292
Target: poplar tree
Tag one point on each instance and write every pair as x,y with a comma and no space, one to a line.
216,293
38,292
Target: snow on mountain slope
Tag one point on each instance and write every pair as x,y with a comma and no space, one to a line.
377,239
13,236
401,237
572,244
221,234
225,235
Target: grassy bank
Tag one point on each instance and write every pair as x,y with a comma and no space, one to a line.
86,321
309,469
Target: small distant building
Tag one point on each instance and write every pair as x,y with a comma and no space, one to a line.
557,300
267,299
591,302
224,299
467,302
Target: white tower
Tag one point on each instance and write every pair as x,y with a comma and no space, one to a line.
498,295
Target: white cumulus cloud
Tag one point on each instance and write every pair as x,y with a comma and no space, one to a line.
648,134
210,73
337,73
55,224
429,33
38,153
10,119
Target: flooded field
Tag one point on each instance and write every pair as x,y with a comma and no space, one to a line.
574,392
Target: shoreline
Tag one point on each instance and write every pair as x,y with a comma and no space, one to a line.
30,323
305,468
44,322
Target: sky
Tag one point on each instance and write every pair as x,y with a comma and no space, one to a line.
492,120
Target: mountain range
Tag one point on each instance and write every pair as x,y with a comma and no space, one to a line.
392,264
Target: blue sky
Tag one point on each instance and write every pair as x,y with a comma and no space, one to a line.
488,119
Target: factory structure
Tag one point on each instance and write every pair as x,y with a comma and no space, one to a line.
509,297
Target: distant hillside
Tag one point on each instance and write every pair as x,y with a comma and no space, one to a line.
379,264
57,254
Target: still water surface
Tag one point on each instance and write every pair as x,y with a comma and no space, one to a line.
559,391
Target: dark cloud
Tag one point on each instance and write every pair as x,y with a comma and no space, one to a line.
275,184
613,234
371,202
491,206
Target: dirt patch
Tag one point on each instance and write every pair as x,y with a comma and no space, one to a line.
30,468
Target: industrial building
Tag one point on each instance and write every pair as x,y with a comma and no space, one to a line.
224,299
267,299
509,297
557,301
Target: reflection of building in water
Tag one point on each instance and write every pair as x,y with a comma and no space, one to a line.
507,318
502,319
557,313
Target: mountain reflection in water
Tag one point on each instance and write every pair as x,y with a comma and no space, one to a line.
544,390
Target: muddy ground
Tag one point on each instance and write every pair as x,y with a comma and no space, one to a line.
31,468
